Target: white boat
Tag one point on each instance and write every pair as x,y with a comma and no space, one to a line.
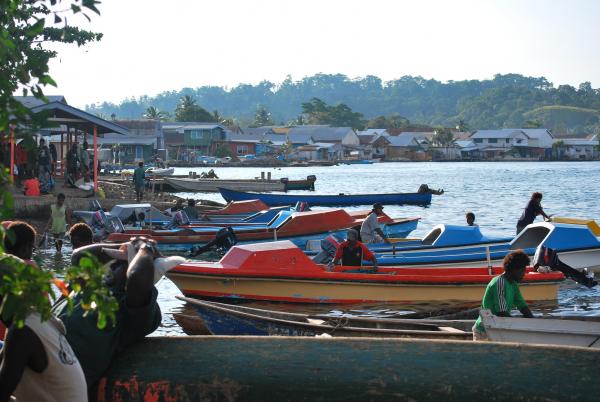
541,330
160,171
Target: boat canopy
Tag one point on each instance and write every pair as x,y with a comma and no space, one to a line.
453,235
282,255
124,211
555,235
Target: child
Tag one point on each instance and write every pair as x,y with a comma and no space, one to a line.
470,219
59,216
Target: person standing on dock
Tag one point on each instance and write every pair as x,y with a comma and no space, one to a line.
370,232
44,158
139,181
502,293
531,211
59,216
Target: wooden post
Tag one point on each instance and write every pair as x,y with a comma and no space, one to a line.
95,158
12,154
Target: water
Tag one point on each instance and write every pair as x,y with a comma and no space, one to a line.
495,192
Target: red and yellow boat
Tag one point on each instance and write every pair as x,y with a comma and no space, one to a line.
280,271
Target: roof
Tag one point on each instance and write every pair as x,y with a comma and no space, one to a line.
402,141
61,113
32,101
373,131
257,130
500,133
536,132
466,145
180,127
578,141
321,133
127,140
418,134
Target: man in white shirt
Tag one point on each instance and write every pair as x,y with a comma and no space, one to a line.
370,232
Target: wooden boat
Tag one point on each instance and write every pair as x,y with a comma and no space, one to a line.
355,161
280,271
347,369
327,200
227,319
212,185
298,226
541,331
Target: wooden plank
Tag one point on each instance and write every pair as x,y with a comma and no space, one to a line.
336,369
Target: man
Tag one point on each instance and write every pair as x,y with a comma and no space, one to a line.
132,283
81,235
59,216
139,181
531,211
502,293
72,161
370,232
53,156
191,210
44,158
20,241
352,252
85,158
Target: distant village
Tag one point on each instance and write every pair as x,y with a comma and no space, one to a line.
192,143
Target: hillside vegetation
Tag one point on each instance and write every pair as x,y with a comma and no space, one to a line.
510,100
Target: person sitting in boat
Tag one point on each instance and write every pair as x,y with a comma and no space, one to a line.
502,293
191,210
352,253
531,211
424,188
370,232
179,218
177,207
470,216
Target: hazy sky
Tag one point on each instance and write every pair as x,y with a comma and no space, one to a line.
151,46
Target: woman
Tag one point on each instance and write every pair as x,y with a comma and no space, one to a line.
533,209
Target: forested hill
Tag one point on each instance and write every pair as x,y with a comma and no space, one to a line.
509,100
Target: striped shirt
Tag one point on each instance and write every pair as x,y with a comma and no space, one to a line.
501,295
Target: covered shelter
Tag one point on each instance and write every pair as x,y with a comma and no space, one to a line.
75,121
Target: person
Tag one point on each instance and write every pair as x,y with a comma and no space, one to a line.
532,209
81,235
177,207
44,158
502,293
352,252
191,210
132,284
46,183
53,157
139,180
370,232
72,161
85,158
424,188
470,216
59,217
21,161
31,187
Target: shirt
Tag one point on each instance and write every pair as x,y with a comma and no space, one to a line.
357,253
501,295
95,348
59,218
191,212
139,175
62,379
532,210
367,229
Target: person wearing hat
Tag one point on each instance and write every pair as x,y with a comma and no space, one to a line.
370,232
352,252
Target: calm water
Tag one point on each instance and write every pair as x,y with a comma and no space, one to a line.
495,192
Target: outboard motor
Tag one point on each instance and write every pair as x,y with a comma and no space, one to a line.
329,246
223,241
547,257
301,206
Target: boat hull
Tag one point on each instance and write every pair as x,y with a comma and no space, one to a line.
212,185
347,369
328,200
341,292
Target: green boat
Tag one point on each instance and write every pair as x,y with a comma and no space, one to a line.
213,368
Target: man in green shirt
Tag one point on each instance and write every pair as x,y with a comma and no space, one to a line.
502,293
139,179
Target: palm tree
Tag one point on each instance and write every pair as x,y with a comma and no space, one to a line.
153,113
443,137
557,148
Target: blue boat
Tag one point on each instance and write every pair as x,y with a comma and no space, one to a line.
577,247
272,199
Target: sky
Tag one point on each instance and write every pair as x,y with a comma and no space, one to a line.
151,46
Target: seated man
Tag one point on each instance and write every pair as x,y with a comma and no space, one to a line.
191,210
370,231
138,315
502,293
352,252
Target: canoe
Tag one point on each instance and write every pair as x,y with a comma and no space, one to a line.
212,185
347,369
327,200
227,319
541,331
280,271
355,161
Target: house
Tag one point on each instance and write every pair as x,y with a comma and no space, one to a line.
320,151
141,145
577,148
526,143
468,149
189,140
323,133
405,147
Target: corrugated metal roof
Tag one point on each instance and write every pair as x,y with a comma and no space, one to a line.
321,133
578,141
402,141
500,133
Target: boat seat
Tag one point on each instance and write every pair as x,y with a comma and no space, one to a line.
315,321
451,329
